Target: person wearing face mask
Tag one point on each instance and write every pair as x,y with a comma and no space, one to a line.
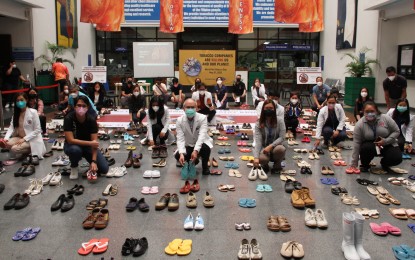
394,87
331,124
292,112
24,135
97,94
177,96
126,91
274,96
405,121
258,92
63,98
196,85
36,103
75,93
158,126
358,106
137,106
160,89
81,140
11,76
221,94
320,93
375,134
269,138
239,90
204,102
192,137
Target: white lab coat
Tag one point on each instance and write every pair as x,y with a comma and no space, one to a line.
406,130
33,131
323,115
261,93
197,137
208,95
165,120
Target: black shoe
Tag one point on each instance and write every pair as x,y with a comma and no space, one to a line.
132,204
80,190
48,154
141,247
22,201
275,170
128,246
265,168
29,170
34,160
142,205
72,190
205,171
12,202
58,203
19,171
308,170
244,126
156,152
289,186
364,168
111,161
27,160
303,170
68,203
297,185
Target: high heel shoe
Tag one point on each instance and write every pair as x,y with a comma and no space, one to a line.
32,185
38,189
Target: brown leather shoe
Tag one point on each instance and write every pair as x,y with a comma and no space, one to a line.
306,196
162,203
129,162
173,202
89,222
163,151
102,219
136,162
297,199
156,152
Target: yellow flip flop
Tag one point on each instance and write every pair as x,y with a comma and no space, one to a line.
173,246
185,248
244,158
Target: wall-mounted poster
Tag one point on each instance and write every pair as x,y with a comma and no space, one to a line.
346,24
66,23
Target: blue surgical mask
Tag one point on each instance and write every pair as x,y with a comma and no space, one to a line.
402,108
21,104
190,112
370,116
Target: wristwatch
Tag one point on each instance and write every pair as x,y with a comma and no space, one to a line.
93,161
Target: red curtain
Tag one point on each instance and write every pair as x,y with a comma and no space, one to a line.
171,16
106,14
295,11
315,26
240,16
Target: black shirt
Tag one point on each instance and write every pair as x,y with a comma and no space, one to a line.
13,78
239,88
127,89
177,89
395,87
136,103
81,131
332,120
358,106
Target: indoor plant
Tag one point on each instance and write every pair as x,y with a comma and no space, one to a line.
56,51
360,64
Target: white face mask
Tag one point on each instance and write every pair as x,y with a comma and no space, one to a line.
14,66
136,93
66,91
219,82
391,78
294,101
319,83
74,95
202,92
363,94
156,108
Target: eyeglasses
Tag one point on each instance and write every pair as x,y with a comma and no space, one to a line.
80,105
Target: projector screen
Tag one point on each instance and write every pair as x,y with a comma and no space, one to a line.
153,59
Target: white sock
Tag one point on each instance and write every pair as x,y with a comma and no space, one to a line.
74,173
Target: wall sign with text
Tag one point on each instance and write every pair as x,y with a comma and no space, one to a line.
308,75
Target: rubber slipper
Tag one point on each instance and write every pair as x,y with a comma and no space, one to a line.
260,188
20,234
379,230
398,213
267,188
412,227
87,247
325,181
228,165
399,253
409,250
250,203
410,213
31,234
333,181
173,246
185,248
412,177
242,202
391,229
101,246
235,166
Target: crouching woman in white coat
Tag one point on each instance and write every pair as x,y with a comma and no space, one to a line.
25,134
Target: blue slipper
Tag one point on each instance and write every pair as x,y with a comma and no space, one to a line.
221,151
227,150
20,234
31,234
228,165
235,165
399,253
267,188
251,203
333,181
242,202
325,181
409,250
260,188
412,227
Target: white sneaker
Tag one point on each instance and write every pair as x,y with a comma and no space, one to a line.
147,174
261,174
310,218
110,173
74,173
321,219
60,146
47,178
199,223
253,174
120,171
56,179
61,161
55,145
188,222
155,174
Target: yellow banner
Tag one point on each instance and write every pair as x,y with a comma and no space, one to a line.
206,65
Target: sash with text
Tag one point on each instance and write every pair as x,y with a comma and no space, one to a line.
171,16
240,16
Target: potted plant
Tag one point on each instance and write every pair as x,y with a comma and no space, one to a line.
56,52
360,70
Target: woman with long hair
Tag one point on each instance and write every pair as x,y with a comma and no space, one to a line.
358,106
292,112
97,95
36,103
269,137
158,126
221,94
405,121
258,92
137,106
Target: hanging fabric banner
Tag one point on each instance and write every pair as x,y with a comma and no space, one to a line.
171,16
106,14
315,26
295,11
240,16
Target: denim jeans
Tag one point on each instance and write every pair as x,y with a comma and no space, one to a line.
76,152
328,133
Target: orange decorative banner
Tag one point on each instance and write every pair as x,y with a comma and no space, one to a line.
240,17
171,16
106,14
316,26
295,11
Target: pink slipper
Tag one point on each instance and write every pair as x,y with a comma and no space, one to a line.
239,143
145,190
379,230
350,170
391,229
10,162
154,190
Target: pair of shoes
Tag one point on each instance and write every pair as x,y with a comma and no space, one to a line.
349,200
31,159
368,213
257,172
179,247
25,171
401,213
292,249
247,203
151,174
226,187
17,201
385,228
290,186
329,181
263,188
64,203
352,244
97,218
213,162
244,136
278,223
35,187
234,173
52,178
242,226
315,219
58,145
306,139
306,170
26,234
197,224
232,165
111,189
249,250
97,204
91,176
116,172
134,204
161,163
223,151
150,190
336,190
325,170
76,190
169,201
136,247
302,198
402,252
195,187
355,170
62,160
